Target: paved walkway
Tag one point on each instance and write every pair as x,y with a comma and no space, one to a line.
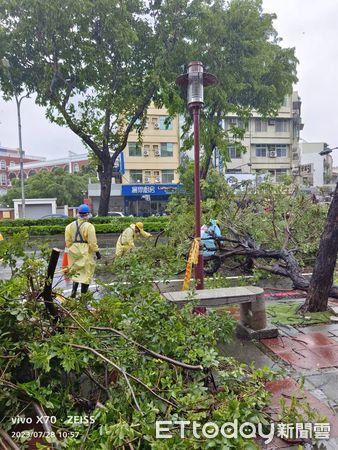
308,353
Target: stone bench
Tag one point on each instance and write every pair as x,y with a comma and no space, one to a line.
252,325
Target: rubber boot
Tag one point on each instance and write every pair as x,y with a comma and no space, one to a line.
74,289
84,288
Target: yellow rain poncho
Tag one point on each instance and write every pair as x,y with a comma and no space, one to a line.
81,241
125,242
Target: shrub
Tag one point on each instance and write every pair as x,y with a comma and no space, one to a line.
44,227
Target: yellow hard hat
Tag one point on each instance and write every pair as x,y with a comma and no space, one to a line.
139,225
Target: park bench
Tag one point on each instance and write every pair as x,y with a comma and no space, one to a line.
253,323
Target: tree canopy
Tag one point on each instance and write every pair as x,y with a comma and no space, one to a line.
97,65
67,188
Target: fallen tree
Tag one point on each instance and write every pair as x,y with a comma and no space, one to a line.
245,245
132,361
272,227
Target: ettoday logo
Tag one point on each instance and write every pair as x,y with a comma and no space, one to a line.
210,430
166,429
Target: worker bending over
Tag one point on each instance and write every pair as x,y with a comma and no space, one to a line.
125,242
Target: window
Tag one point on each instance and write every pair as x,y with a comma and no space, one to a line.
3,179
11,164
261,125
76,167
234,122
282,125
281,150
286,101
165,123
157,176
280,173
167,176
135,176
234,153
167,149
2,164
134,149
261,150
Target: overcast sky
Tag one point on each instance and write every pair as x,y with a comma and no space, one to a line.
308,25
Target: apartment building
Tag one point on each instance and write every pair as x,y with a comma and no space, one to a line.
156,159
316,168
149,169
272,144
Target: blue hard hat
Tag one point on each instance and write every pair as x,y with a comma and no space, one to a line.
83,209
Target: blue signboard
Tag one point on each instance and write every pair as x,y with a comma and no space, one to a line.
137,190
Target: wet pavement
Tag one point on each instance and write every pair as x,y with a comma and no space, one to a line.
307,355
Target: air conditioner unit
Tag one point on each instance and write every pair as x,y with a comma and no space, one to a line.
157,180
157,152
156,126
145,152
146,125
147,179
272,154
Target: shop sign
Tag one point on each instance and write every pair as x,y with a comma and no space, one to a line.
148,189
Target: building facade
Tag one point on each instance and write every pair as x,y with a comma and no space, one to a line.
72,164
9,159
149,169
316,164
272,145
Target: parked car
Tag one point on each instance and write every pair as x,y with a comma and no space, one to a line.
116,214
54,216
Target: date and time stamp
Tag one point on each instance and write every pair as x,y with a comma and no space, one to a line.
47,432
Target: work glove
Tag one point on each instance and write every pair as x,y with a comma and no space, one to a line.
98,255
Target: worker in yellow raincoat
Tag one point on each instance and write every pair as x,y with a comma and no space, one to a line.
126,240
80,237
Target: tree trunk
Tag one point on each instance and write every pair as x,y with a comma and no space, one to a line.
322,277
206,163
105,175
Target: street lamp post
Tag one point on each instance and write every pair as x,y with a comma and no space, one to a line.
195,80
18,101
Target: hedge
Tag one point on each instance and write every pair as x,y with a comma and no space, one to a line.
63,222
115,226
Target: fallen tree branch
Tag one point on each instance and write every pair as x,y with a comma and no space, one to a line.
9,444
123,372
40,412
247,246
145,349
148,351
94,380
132,392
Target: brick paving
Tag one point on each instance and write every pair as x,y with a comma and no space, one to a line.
303,352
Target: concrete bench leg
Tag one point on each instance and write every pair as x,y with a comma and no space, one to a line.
253,323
